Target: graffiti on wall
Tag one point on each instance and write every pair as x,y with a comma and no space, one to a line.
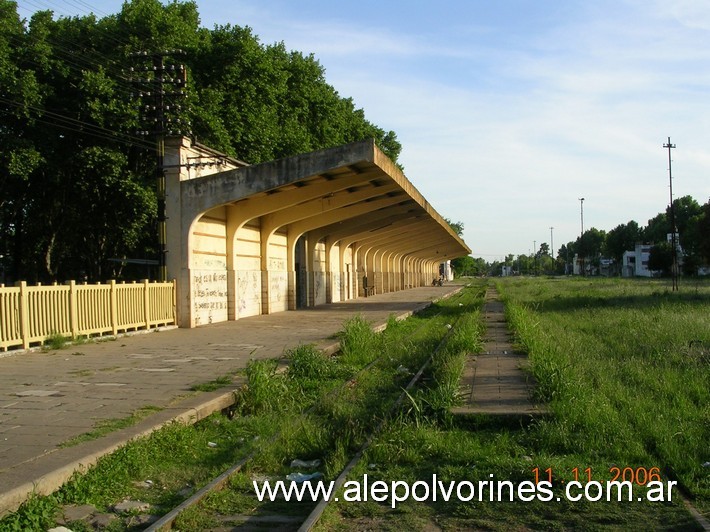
248,293
278,290
209,296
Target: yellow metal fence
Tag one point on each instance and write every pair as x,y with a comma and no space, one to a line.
31,314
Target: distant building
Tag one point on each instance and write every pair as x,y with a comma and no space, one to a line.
506,271
606,267
635,263
583,262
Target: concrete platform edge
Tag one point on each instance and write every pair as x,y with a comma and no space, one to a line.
204,405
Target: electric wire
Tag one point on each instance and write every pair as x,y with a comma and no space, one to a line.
73,124
66,51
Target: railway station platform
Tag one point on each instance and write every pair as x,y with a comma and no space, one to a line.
49,397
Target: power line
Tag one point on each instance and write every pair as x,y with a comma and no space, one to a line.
73,124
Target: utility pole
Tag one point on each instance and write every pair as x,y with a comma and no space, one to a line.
674,249
535,257
160,114
579,251
552,250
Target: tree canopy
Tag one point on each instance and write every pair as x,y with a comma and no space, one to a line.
77,185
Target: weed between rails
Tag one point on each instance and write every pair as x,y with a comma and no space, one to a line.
338,422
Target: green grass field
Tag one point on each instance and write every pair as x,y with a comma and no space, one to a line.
625,365
625,368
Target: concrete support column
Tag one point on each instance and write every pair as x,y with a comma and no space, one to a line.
394,282
394,269
264,237
401,281
361,271
310,271
232,228
291,274
406,281
178,231
386,272
373,276
345,281
354,271
378,267
329,277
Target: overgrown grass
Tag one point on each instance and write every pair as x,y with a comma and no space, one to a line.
341,418
623,366
177,459
55,341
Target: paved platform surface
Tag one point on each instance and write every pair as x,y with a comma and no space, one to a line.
494,381
49,397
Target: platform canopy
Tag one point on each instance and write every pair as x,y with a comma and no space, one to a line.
350,197
350,191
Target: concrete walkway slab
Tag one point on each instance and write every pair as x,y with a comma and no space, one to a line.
494,382
47,398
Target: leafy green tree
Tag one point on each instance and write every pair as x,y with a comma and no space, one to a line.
590,244
703,228
77,185
660,258
468,266
622,238
686,211
456,226
657,229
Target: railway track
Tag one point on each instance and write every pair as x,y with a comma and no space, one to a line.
305,514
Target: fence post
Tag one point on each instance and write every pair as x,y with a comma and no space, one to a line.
174,300
114,308
73,310
146,302
24,315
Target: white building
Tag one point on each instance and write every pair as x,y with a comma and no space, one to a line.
635,263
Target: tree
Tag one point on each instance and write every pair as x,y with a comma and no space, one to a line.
469,266
660,258
456,226
704,232
656,229
589,245
621,239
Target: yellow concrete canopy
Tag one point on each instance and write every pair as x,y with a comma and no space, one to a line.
324,226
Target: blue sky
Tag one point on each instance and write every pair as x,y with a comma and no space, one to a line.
510,111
